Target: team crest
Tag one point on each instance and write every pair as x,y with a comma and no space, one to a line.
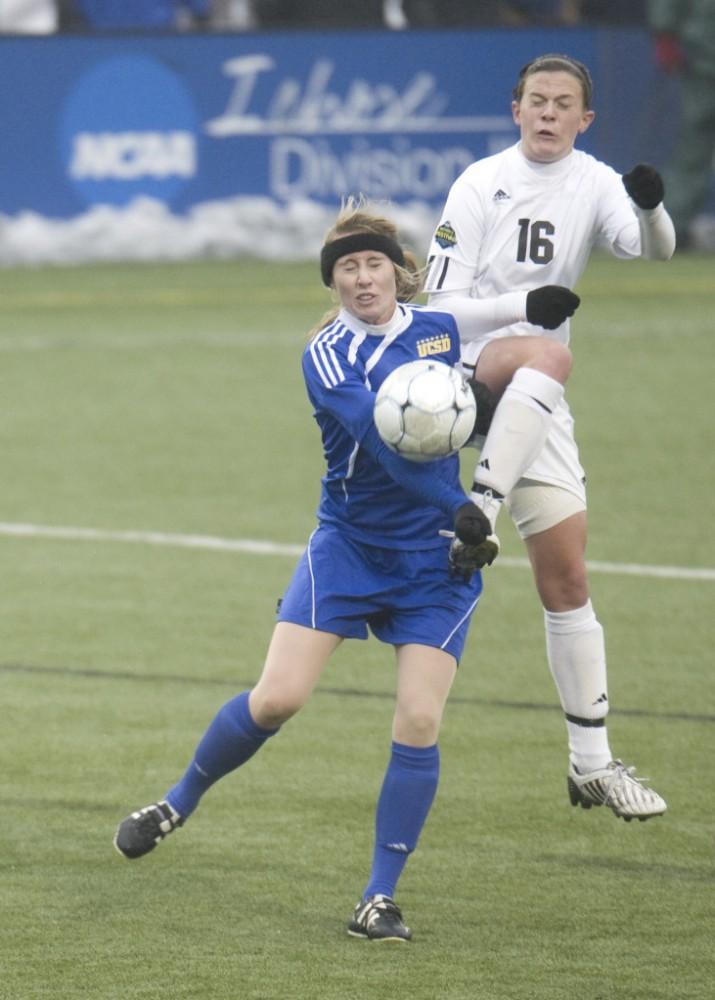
445,235
441,344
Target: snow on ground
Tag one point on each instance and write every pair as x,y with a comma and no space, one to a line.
147,230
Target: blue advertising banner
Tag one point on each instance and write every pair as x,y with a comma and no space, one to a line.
195,118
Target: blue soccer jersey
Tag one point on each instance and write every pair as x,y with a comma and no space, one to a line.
375,496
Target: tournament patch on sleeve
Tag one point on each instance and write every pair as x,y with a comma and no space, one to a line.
445,235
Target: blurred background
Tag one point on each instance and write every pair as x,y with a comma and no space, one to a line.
155,129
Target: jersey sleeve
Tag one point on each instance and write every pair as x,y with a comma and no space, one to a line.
455,246
630,231
618,229
418,479
476,317
336,387
445,274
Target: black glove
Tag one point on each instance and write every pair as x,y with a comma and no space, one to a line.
467,559
550,305
475,545
471,524
644,186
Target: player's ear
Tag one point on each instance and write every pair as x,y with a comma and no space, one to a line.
586,120
515,114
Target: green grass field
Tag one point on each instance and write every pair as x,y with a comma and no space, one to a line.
169,399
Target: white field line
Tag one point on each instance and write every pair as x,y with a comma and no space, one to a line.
150,538
254,547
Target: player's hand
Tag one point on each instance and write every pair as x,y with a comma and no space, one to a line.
474,544
471,524
464,560
644,186
550,305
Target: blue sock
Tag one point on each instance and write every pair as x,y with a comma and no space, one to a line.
407,793
231,739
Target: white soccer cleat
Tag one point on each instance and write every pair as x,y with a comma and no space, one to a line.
617,787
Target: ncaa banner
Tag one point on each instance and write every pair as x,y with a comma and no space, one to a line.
192,119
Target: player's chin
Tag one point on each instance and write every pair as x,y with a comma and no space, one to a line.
548,148
372,312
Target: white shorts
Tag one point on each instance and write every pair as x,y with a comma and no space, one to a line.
534,507
554,486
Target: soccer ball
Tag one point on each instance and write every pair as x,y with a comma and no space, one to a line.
425,410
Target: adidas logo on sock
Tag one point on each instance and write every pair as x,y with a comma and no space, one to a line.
601,698
484,464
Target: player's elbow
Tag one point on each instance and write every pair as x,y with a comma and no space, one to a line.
665,254
657,234
659,252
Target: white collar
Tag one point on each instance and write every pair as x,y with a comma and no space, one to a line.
555,169
396,321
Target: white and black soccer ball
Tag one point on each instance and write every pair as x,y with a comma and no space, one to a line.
425,410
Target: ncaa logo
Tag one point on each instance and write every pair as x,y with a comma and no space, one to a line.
128,128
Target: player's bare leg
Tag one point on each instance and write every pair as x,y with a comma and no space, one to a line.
295,660
500,358
424,679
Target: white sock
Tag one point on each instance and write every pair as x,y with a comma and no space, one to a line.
490,504
518,432
577,658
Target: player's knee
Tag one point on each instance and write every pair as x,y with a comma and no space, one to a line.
565,591
555,359
271,708
416,725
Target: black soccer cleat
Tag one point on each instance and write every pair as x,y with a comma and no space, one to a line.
378,918
144,829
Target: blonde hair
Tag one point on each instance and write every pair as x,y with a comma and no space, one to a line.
355,217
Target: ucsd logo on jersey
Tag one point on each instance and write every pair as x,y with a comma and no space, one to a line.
129,127
430,346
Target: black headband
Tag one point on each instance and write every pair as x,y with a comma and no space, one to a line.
352,244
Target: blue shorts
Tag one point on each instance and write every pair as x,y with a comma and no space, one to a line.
402,595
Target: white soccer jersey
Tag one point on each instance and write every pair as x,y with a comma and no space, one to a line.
511,224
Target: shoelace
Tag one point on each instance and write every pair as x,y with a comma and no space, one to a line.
381,906
619,771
